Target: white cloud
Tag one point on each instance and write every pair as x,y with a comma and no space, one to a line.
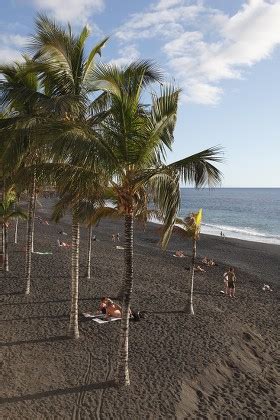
159,21
11,47
127,55
204,46
71,10
8,55
13,39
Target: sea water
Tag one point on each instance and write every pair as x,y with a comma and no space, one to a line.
251,214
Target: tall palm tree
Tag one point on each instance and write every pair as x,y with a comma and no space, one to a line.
136,137
62,68
19,93
190,227
8,211
82,212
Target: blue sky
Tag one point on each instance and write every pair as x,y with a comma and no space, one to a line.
225,54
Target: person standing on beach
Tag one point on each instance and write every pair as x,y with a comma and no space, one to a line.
113,238
231,281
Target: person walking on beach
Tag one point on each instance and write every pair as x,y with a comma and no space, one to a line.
231,280
113,238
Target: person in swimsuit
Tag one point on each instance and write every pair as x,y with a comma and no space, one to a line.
231,282
113,309
103,305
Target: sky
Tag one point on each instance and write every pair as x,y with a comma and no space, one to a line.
224,54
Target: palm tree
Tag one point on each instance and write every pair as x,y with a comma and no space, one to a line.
63,70
19,93
136,137
83,211
129,138
8,211
190,227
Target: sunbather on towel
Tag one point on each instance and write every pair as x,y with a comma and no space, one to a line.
102,306
113,310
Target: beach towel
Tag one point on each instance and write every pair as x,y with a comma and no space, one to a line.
99,318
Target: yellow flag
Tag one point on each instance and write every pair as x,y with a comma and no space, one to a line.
198,218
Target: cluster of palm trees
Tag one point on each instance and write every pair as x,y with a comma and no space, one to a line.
98,134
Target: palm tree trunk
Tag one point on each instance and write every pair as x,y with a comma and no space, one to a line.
122,377
192,275
3,240
16,227
89,251
29,236
33,220
74,325
6,255
16,232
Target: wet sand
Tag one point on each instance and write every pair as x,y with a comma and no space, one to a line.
224,361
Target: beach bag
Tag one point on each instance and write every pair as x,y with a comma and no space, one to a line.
137,315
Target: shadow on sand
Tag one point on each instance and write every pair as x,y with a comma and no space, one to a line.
56,392
35,341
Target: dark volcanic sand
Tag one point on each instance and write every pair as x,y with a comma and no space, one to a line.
224,361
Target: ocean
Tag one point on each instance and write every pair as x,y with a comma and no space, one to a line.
251,214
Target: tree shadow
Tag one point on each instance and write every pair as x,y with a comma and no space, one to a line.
36,317
182,311
12,293
56,392
35,341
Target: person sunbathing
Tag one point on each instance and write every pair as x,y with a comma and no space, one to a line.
102,306
113,310
209,262
198,268
179,254
63,244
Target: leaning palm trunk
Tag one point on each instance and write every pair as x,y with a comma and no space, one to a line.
192,275
73,325
29,236
122,366
89,252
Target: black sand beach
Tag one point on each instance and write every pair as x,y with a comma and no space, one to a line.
223,362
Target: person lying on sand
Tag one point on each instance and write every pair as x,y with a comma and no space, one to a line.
179,253
63,244
113,309
198,268
102,306
209,262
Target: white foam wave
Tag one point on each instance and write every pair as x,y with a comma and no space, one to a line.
244,233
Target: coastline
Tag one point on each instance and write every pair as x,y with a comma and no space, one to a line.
222,361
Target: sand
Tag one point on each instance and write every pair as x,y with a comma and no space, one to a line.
223,362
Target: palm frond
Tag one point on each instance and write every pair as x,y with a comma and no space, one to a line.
197,168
